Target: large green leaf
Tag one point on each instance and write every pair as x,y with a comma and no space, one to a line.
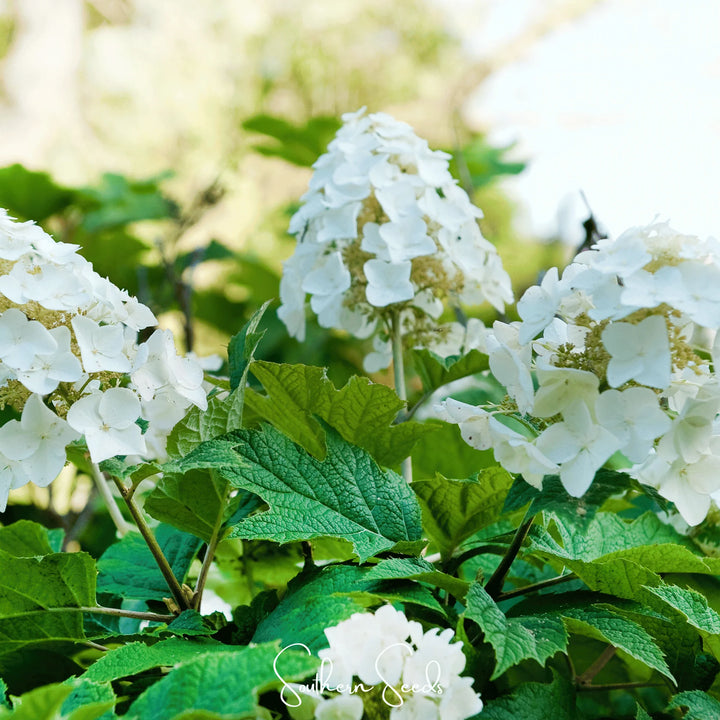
361,411
602,623
37,597
315,600
221,685
224,412
421,570
347,495
536,637
25,538
137,657
534,701
444,451
128,568
31,195
700,705
555,499
453,510
618,557
694,607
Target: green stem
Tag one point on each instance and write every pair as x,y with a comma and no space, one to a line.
210,552
497,580
535,587
454,563
123,527
619,686
584,679
399,376
162,562
100,610
95,646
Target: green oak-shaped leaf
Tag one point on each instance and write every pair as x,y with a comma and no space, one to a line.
315,600
88,700
361,411
555,499
37,597
534,701
536,637
420,570
700,705
694,607
617,557
602,623
222,685
346,495
436,371
25,538
453,510
224,413
129,570
137,657
42,703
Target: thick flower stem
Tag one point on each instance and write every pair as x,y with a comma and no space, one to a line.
209,554
119,612
535,587
399,375
101,483
586,678
495,584
162,562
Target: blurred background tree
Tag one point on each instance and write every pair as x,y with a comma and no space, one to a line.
137,87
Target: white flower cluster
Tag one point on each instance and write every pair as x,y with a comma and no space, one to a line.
384,228
71,364
385,660
625,362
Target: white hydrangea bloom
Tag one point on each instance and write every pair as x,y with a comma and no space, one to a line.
617,368
108,420
417,673
71,366
32,449
385,230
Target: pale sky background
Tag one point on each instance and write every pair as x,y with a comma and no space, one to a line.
623,103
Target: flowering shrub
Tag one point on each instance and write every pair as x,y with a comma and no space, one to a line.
552,549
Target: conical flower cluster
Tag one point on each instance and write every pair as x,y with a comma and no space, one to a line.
385,232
